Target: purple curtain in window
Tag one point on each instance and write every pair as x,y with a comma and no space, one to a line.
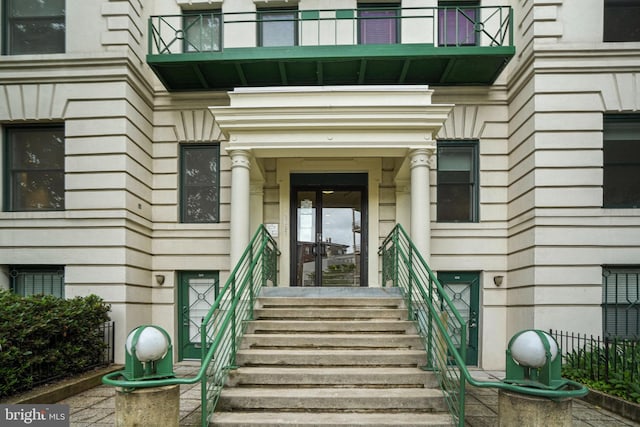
378,26
456,26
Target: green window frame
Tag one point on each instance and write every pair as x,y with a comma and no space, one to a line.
33,27
202,31
277,27
200,183
37,280
457,181
621,302
34,168
621,161
378,23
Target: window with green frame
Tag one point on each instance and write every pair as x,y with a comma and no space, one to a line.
37,280
378,23
621,161
200,183
457,181
621,302
34,26
277,27
203,31
34,168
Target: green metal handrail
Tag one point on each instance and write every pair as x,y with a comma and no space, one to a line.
223,326
441,327
490,26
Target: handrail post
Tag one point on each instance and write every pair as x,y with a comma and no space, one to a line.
232,360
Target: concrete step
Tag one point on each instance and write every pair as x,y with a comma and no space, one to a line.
331,399
328,376
331,419
338,326
314,313
273,302
338,357
319,340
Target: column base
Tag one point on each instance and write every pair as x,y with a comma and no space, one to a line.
153,406
515,409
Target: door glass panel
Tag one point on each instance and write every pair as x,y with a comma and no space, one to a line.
198,292
306,238
341,237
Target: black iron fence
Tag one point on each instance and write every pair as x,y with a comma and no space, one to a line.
611,360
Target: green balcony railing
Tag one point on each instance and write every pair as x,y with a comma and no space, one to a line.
224,325
327,45
442,328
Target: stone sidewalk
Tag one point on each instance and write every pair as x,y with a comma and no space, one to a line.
95,407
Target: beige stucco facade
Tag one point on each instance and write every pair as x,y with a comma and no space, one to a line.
541,223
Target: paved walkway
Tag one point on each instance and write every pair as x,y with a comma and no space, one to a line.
95,407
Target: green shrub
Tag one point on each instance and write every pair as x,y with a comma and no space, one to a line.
44,337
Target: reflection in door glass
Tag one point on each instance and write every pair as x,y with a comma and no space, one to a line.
305,250
341,237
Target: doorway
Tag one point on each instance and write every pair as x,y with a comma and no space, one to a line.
329,223
464,290
197,292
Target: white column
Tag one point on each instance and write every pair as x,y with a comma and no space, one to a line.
240,203
420,204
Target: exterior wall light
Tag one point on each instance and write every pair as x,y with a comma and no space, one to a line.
148,354
160,279
497,280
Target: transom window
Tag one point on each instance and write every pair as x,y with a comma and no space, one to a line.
457,188
621,21
378,23
34,26
277,27
35,168
200,178
621,153
37,280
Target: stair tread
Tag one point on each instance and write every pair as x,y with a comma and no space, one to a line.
331,392
332,419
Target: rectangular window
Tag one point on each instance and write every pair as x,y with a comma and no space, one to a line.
621,302
457,189
200,178
35,168
378,24
621,21
621,155
37,280
277,27
202,31
457,23
34,26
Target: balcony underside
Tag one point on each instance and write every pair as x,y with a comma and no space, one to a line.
331,65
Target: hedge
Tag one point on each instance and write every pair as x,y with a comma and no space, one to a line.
44,337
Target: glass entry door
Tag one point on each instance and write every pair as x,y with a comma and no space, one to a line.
329,239
197,293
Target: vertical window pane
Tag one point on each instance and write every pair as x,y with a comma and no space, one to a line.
278,28
35,26
378,26
621,155
200,186
621,18
456,26
36,168
457,192
202,32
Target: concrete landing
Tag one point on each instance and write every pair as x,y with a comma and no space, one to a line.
330,292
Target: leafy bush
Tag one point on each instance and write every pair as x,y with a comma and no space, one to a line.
43,337
614,370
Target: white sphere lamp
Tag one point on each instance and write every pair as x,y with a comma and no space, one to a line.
528,348
151,345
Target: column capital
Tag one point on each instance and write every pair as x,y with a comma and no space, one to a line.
240,158
423,156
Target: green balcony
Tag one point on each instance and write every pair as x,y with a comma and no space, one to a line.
366,46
